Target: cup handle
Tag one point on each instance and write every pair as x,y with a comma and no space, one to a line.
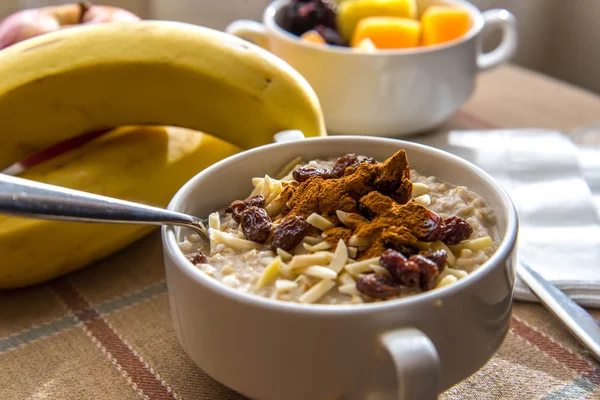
249,30
417,363
507,47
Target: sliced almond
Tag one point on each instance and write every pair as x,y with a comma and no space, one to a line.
340,257
312,240
342,216
360,267
317,291
306,260
349,289
257,189
256,181
232,241
317,247
473,245
318,271
319,222
378,269
269,274
360,242
285,256
423,200
445,281
345,278
352,251
419,189
214,222
285,285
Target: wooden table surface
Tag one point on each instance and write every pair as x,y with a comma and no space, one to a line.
105,332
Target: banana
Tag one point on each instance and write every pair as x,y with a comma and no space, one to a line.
143,164
96,77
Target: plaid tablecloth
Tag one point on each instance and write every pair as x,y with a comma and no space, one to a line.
105,332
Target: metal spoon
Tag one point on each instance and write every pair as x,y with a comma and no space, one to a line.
28,198
581,324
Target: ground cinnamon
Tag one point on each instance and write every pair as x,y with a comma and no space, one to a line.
378,191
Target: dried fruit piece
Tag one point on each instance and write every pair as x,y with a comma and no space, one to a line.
237,207
303,174
428,271
388,32
313,37
290,232
407,274
198,258
439,257
256,224
433,227
330,35
379,286
303,16
349,160
443,23
455,230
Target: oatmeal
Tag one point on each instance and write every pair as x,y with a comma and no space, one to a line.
346,231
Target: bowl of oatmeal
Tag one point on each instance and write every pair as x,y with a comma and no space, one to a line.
359,263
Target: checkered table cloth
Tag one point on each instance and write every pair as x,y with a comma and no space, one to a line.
105,332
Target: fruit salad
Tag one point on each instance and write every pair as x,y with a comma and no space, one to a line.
369,25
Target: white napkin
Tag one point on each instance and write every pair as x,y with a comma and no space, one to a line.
545,175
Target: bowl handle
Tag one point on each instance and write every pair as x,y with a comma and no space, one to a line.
417,363
249,30
503,19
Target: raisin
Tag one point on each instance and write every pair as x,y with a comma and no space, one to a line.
256,224
428,271
305,173
365,211
434,228
237,207
407,274
379,286
456,230
303,16
290,232
330,35
349,160
439,257
198,258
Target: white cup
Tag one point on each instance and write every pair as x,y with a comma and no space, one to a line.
389,92
412,348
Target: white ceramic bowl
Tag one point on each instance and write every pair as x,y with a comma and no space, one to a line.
412,348
389,92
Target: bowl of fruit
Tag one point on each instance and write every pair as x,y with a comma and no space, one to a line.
384,67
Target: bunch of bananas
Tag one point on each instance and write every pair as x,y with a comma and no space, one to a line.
141,78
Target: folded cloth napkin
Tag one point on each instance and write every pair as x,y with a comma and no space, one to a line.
545,174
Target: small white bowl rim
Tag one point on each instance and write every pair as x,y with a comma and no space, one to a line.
476,15
208,283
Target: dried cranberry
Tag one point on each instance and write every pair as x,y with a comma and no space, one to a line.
428,271
439,257
302,174
379,286
198,258
256,224
349,160
237,207
407,274
369,160
434,227
303,16
290,232
330,35
456,230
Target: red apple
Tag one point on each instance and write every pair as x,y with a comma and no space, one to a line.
37,21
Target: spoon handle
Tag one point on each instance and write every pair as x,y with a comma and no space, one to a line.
581,324
32,199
